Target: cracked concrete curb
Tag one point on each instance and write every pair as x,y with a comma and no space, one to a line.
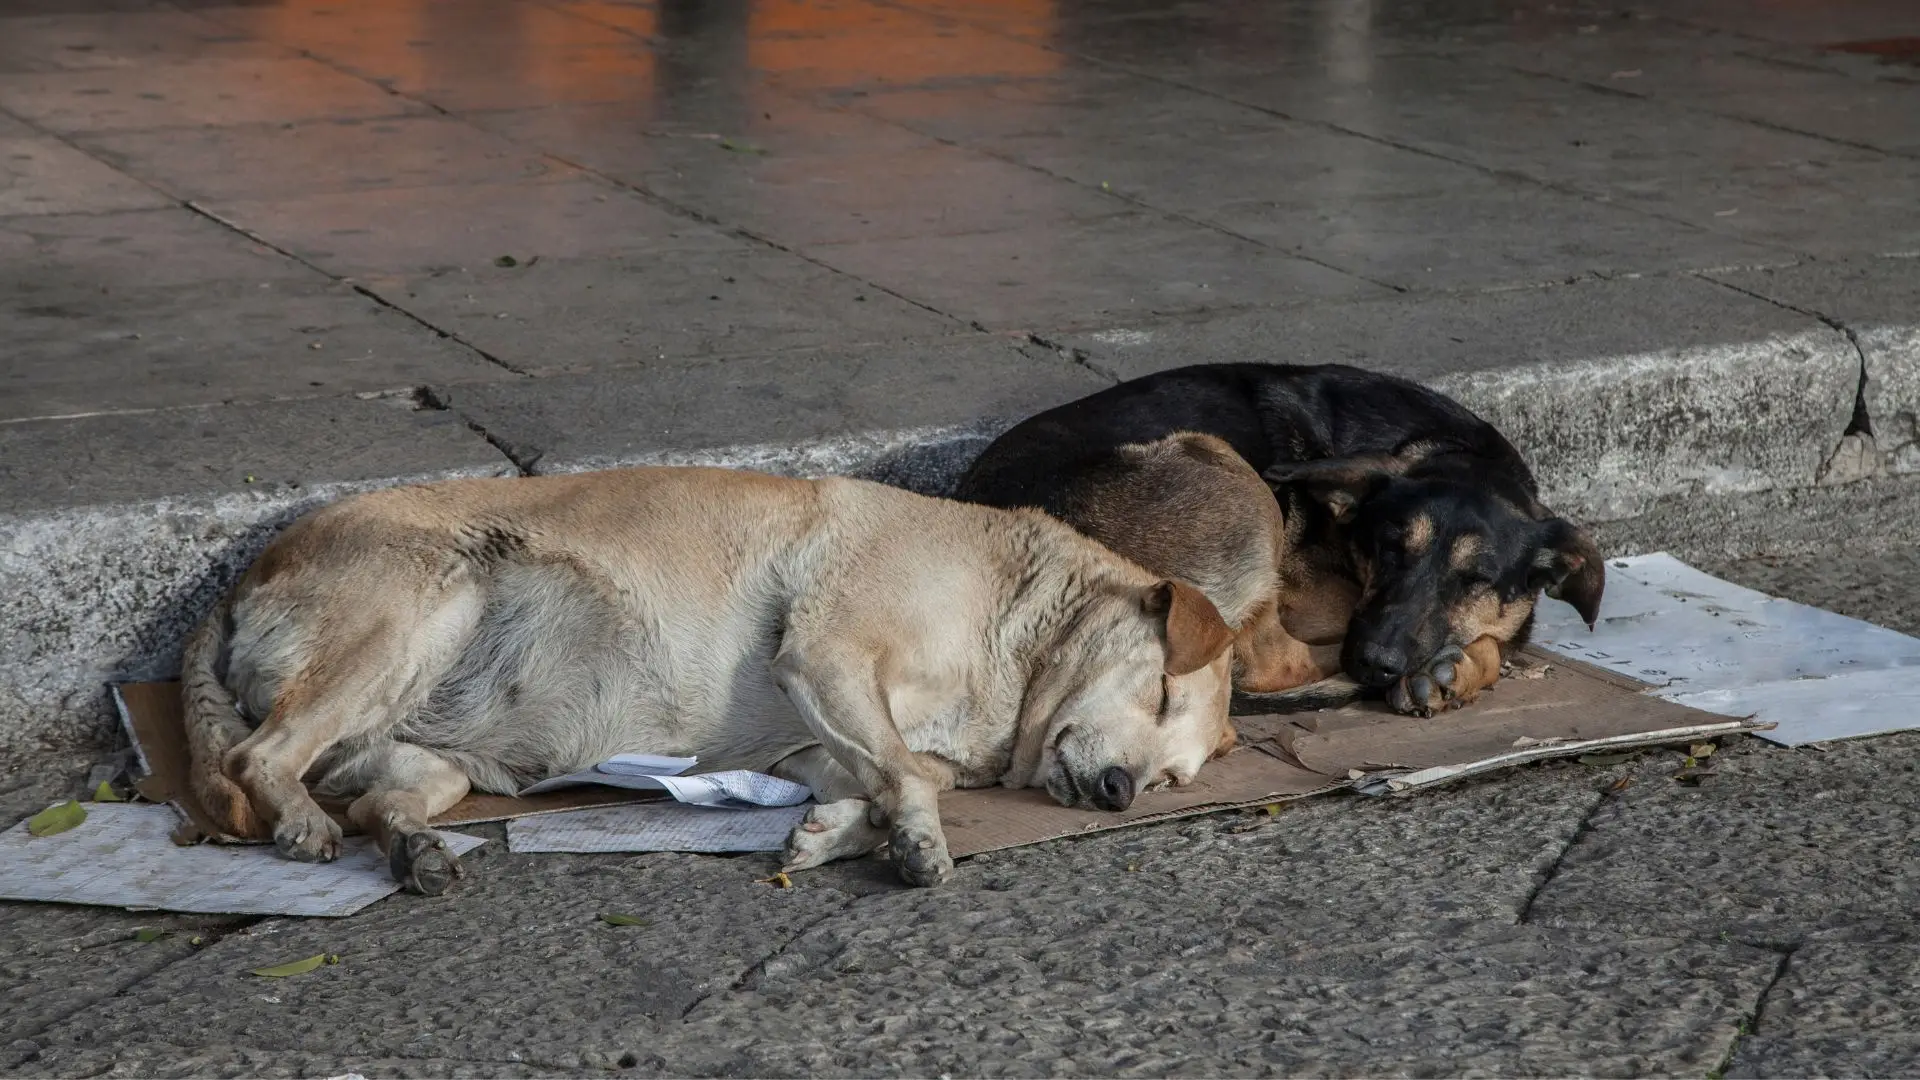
108,590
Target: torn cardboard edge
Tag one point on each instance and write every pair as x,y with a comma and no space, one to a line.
1551,708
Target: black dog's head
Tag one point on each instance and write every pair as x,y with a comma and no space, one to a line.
1444,555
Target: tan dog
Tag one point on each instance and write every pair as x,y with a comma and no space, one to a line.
875,645
1188,507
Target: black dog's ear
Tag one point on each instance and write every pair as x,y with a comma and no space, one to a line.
1341,484
1570,568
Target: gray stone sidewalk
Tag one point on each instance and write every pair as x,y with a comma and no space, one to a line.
257,255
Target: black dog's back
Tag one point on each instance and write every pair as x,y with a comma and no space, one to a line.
1271,414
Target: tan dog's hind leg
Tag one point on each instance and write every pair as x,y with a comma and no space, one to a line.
1267,659
837,694
406,787
371,668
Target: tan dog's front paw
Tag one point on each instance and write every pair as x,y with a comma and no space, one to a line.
837,830
308,835
920,853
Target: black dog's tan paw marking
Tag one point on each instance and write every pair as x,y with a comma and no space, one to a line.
920,854
422,862
1424,693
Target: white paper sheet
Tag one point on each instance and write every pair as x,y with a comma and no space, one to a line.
123,856
656,827
732,789
1726,649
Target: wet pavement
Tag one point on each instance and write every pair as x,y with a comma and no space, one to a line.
203,203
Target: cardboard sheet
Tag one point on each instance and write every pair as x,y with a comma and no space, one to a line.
121,856
1553,710
1714,645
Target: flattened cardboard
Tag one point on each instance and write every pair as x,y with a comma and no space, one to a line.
1552,708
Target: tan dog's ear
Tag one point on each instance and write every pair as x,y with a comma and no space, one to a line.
1195,631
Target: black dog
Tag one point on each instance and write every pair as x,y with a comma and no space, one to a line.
1414,530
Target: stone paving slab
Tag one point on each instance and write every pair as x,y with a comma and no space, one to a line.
42,175
76,41
1838,1010
732,299
145,349
769,410
1084,273
417,230
1875,300
230,163
1757,858
210,92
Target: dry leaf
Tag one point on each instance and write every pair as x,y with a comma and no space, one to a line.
778,881
297,967
1693,777
614,918
105,793
1605,759
1701,750
1525,741
57,818
1621,784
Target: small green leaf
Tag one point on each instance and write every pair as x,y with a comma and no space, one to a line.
1605,759
739,148
57,818
196,940
105,793
148,934
1272,809
614,918
297,967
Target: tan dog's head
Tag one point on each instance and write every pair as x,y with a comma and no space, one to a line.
1134,696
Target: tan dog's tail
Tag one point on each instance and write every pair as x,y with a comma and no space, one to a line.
213,727
1330,693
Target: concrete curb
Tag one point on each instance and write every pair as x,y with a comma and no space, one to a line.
113,588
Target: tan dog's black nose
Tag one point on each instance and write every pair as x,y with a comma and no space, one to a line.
1115,791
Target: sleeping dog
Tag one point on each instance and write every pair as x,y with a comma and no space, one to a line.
401,647
1414,534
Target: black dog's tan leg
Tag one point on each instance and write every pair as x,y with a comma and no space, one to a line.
406,787
1267,659
838,696
1453,678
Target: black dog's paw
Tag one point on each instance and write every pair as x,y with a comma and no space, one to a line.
1426,692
